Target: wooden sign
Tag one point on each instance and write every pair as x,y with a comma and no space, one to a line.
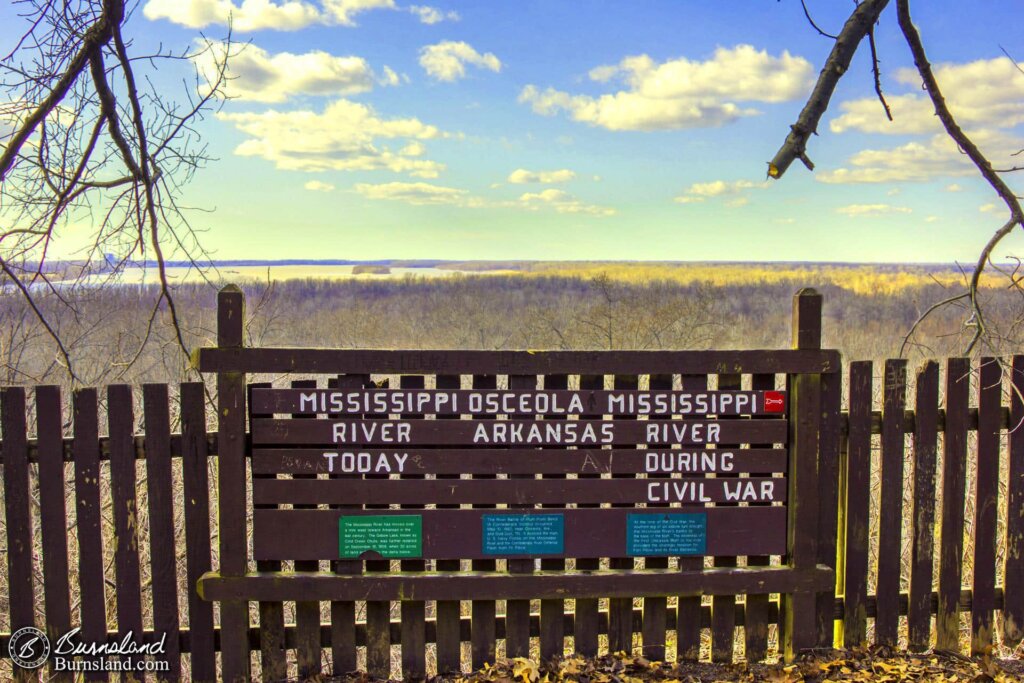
500,402
516,461
517,432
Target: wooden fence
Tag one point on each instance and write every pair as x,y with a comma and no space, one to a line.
922,479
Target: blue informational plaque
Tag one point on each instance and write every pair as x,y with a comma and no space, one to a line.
526,534
674,533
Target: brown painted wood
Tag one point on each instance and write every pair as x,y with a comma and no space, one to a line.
413,612
493,585
552,612
1013,564
308,653
195,480
723,607
162,552
828,498
799,627
891,504
231,483
343,612
655,608
334,361
518,461
922,550
517,612
986,498
448,620
523,402
856,497
655,491
756,609
53,517
482,636
450,534
688,620
128,590
547,433
18,515
92,605
585,622
273,650
954,461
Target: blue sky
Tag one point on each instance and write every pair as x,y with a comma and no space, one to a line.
587,130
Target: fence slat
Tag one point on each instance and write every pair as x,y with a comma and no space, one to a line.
688,612
482,635
755,622
273,653
828,498
196,484
517,612
162,554
655,608
954,461
53,516
231,484
414,628
343,612
620,610
856,499
891,502
378,613
552,612
18,516
121,426
449,637
798,621
585,624
723,607
922,550
307,612
1013,566
92,587
983,603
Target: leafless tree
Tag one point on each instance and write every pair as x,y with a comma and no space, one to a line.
90,139
858,28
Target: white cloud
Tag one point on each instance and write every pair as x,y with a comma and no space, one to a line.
563,202
417,194
344,137
893,191
521,176
250,15
447,60
344,11
428,194
784,221
915,161
931,219
737,202
981,94
680,93
953,187
318,186
869,210
699,192
257,75
255,15
390,77
992,208
432,15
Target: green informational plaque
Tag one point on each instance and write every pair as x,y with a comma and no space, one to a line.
389,535
677,533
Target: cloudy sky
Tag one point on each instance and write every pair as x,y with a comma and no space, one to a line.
544,129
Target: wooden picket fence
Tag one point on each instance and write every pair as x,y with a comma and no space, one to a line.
952,462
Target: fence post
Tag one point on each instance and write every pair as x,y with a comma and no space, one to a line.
799,618
234,614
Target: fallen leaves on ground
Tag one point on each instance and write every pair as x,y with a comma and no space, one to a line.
876,665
